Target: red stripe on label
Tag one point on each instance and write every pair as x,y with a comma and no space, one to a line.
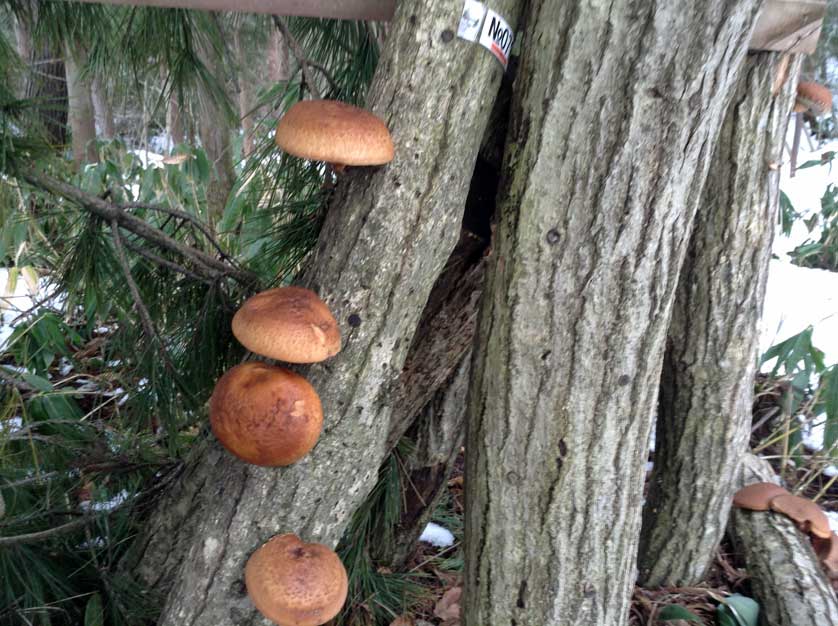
496,50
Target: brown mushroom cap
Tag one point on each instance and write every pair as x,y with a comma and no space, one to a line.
265,415
295,583
335,132
758,496
806,514
815,97
827,551
289,324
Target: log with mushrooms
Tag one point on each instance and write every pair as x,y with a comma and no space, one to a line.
295,583
806,515
335,132
265,414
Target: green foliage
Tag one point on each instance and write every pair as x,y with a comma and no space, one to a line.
376,596
823,252
674,612
737,610
95,408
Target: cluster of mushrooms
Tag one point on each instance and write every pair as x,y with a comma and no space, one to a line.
270,416
805,514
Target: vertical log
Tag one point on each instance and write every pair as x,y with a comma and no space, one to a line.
616,111
385,240
706,392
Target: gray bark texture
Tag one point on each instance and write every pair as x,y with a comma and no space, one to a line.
102,106
706,392
80,112
386,237
786,578
214,130
437,435
616,111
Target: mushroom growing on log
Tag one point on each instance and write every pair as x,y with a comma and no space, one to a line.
335,132
265,415
295,583
786,577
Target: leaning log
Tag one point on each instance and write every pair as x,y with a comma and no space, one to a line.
786,578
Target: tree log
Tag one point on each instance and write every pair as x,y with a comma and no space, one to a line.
384,242
616,111
786,578
438,435
706,391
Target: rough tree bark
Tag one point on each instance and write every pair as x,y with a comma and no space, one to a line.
386,238
246,96
706,391
786,578
80,113
616,109
214,130
103,109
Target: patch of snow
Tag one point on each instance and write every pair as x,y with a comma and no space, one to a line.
64,366
11,425
798,297
107,505
437,535
833,520
148,158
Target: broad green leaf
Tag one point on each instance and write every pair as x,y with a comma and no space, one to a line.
41,384
676,611
94,615
738,610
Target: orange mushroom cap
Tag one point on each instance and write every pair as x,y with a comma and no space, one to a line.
295,583
288,324
334,132
806,514
265,415
758,496
815,97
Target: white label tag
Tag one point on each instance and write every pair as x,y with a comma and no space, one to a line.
470,21
497,37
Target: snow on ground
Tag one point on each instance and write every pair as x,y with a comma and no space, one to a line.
437,535
798,297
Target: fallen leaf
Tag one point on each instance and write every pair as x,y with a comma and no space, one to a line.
404,620
448,606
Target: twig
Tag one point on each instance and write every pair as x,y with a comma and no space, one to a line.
303,60
188,217
158,260
128,221
42,535
145,317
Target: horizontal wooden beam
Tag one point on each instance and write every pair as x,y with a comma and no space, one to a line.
789,26
380,10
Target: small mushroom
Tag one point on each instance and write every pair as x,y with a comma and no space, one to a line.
295,583
806,514
265,415
334,132
288,324
758,496
827,551
813,97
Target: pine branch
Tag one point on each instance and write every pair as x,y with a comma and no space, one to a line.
188,217
43,535
145,317
115,213
303,60
158,260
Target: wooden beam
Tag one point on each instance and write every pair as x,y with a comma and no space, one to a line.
381,10
789,26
